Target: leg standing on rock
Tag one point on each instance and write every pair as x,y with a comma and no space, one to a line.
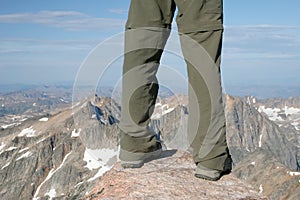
200,24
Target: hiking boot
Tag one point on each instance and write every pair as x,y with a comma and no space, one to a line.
137,158
213,174
207,174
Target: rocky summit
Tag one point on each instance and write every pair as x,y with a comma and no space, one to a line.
171,177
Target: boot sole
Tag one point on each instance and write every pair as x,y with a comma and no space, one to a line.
142,158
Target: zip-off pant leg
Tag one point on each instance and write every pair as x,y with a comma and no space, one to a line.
200,24
147,30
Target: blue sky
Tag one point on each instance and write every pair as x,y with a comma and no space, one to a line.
46,41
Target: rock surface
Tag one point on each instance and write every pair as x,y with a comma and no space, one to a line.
249,131
269,176
56,157
171,177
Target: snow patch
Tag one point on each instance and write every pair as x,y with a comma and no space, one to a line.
295,124
83,105
247,149
75,105
62,100
164,112
251,99
25,149
11,148
6,165
248,100
158,104
41,140
44,119
260,139
78,184
22,120
167,111
75,133
273,113
165,106
51,194
99,158
28,132
2,146
100,172
52,171
9,125
294,173
291,110
2,105
103,121
261,189
25,155
160,110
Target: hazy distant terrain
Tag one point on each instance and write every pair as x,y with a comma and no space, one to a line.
263,91
259,91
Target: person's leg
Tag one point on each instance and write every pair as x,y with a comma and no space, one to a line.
200,27
147,29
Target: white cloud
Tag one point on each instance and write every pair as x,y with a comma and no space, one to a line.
241,33
260,35
118,11
18,46
69,20
260,28
11,51
262,41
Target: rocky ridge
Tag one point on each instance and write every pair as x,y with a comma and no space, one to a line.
170,177
248,130
41,159
265,152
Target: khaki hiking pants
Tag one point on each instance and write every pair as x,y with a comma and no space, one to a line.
200,26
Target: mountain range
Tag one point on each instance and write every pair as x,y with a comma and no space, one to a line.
58,149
